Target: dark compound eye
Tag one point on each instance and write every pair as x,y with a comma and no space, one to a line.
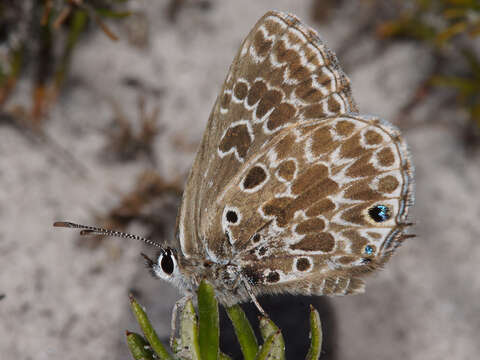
167,263
232,217
379,213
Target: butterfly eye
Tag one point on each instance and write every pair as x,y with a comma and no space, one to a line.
379,213
167,262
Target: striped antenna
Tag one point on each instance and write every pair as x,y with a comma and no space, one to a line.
91,230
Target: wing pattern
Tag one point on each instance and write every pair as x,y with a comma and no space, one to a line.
287,162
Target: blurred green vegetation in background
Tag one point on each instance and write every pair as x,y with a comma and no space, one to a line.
449,28
39,37
198,336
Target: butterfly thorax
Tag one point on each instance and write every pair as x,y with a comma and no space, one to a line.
226,278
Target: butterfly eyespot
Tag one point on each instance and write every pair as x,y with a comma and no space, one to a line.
379,213
303,264
256,238
232,216
167,264
273,277
369,250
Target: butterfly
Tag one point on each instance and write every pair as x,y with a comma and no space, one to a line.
292,190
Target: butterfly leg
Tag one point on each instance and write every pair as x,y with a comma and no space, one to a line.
177,309
249,290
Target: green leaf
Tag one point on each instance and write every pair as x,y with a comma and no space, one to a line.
148,331
269,349
224,356
189,332
209,332
315,335
268,329
139,347
77,26
243,330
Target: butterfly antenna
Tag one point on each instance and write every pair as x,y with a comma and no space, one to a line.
91,230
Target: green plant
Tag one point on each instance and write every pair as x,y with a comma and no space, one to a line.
46,32
198,336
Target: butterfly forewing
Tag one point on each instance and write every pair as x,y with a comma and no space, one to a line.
282,75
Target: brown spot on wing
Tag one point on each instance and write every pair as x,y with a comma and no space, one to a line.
255,177
256,92
345,260
277,208
325,80
310,226
333,105
352,148
307,92
361,190
241,90
303,264
372,137
273,277
314,111
236,137
308,178
270,99
298,71
357,241
283,209
355,215
323,241
344,127
385,157
286,170
322,141
285,55
362,167
282,114
388,184
262,45
284,146
321,207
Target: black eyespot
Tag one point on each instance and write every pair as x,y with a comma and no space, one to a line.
232,217
167,263
379,213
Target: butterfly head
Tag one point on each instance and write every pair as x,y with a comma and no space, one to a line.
165,265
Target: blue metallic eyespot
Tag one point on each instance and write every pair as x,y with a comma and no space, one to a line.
369,250
379,213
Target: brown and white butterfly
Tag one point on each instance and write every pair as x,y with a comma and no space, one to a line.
292,191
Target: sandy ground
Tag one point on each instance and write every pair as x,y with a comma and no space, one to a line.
63,301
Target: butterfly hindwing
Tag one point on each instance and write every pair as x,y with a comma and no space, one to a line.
303,204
